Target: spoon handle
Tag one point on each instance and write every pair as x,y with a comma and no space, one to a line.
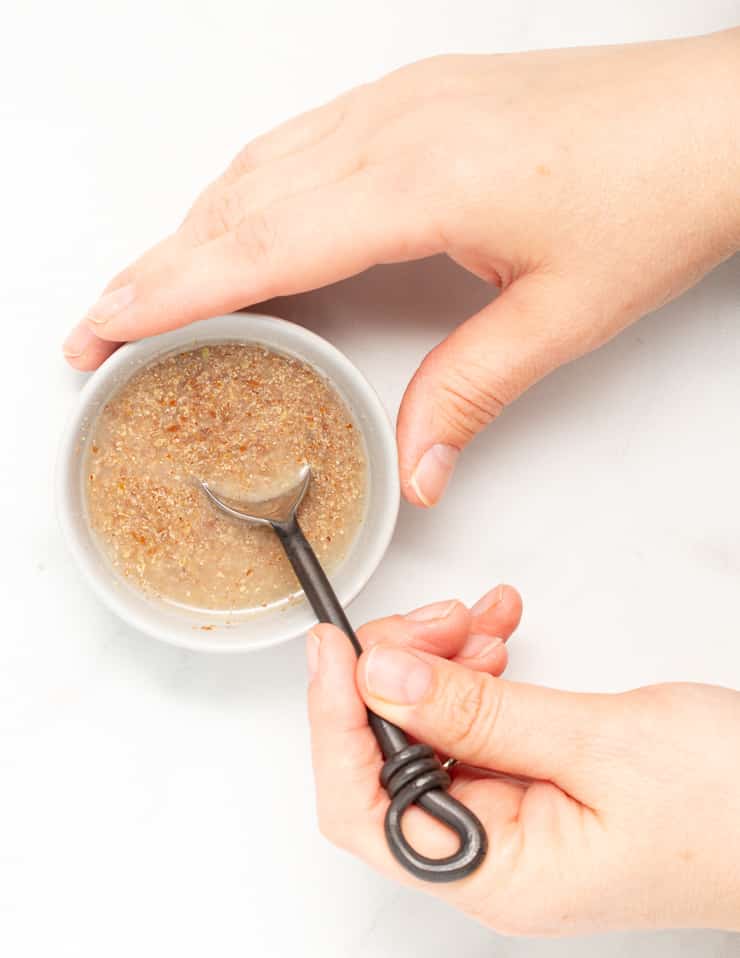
412,774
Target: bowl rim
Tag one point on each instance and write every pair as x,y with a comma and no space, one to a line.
257,327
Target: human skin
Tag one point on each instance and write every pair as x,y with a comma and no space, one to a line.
620,811
591,186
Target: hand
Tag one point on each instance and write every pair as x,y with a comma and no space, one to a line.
606,811
590,185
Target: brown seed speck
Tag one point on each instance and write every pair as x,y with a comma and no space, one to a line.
244,419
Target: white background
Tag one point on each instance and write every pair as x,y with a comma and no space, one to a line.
155,802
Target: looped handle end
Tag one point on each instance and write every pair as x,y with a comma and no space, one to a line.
415,776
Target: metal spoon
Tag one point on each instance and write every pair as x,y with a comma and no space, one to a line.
412,774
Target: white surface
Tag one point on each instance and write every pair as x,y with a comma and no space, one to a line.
228,632
139,783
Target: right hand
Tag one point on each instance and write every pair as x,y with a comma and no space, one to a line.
614,811
591,185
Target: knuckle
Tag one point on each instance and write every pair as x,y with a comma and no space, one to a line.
427,69
198,229
245,161
468,402
474,707
332,118
389,176
217,212
227,211
256,236
398,176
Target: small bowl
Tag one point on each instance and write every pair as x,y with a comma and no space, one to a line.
216,632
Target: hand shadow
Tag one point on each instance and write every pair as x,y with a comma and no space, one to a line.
385,320
431,295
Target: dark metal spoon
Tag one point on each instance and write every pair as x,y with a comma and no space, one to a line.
412,774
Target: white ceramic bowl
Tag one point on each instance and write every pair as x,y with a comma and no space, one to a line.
261,629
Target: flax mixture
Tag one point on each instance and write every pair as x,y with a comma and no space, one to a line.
245,420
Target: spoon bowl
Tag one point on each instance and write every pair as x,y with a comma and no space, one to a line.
278,508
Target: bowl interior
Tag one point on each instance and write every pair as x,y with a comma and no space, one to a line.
215,631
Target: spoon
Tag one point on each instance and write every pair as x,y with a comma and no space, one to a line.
412,774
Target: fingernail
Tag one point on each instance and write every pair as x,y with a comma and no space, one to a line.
479,646
396,675
488,601
110,304
433,472
428,613
312,653
77,342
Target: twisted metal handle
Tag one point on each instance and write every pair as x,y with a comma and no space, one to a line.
415,776
412,774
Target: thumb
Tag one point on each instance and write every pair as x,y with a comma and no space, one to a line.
522,730
468,379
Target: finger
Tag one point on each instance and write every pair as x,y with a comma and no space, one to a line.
156,257
295,135
346,759
297,244
494,618
484,653
498,612
520,729
442,629
224,206
84,350
468,379
294,138
351,804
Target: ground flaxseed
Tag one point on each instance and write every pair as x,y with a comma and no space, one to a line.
245,420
